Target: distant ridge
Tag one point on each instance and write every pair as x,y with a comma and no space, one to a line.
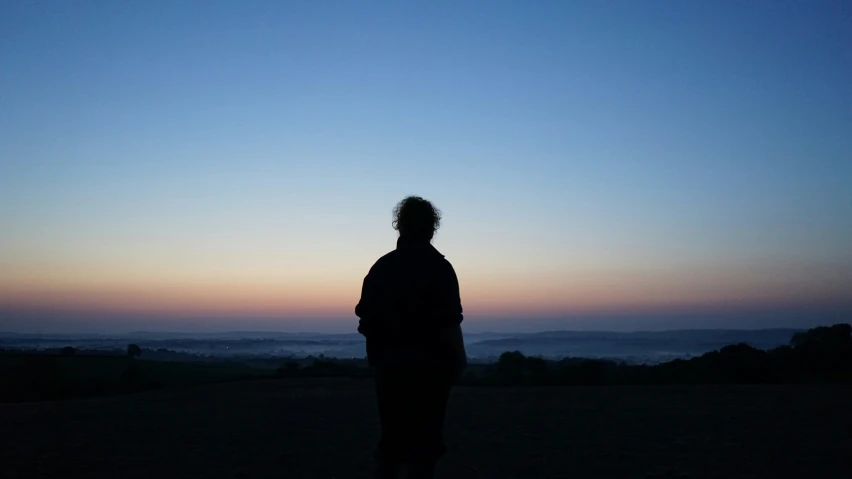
636,347
272,334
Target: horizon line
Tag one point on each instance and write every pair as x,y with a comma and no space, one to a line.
317,333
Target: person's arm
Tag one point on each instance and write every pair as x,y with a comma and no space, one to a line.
448,308
366,309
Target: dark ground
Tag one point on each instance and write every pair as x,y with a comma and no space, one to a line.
327,428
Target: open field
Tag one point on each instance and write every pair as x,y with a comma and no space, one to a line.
326,429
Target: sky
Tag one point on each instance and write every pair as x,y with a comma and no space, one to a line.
220,165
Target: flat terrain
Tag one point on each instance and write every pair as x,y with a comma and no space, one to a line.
327,428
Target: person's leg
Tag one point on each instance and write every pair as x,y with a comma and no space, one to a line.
388,455
393,402
422,470
388,470
428,433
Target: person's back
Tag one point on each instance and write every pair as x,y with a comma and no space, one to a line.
410,313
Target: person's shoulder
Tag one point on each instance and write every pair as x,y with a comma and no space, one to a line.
442,261
439,257
385,261
447,266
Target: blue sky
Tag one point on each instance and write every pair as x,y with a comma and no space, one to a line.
588,156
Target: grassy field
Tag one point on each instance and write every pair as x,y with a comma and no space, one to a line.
26,377
312,428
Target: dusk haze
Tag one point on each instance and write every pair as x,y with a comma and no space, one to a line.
468,239
613,166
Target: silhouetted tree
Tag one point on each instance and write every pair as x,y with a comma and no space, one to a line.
824,353
537,372
289,369
838,336
510,367
591,371
741,363
67,351
133,351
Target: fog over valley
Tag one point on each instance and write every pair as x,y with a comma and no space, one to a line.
634,347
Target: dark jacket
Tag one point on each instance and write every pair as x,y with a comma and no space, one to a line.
410,310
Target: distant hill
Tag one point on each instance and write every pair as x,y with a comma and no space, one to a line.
638,347
647,346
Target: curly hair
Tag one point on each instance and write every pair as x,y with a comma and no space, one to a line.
417,218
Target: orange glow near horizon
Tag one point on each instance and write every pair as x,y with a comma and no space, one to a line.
482,296
320,277
227,171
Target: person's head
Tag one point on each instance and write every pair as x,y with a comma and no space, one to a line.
416,218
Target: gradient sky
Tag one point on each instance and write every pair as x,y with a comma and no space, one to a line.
233,165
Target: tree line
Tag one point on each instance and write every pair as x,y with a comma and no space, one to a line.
819,355
822,354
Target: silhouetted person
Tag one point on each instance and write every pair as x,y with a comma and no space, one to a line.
410,312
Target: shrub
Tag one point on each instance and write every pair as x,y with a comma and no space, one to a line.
133,351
